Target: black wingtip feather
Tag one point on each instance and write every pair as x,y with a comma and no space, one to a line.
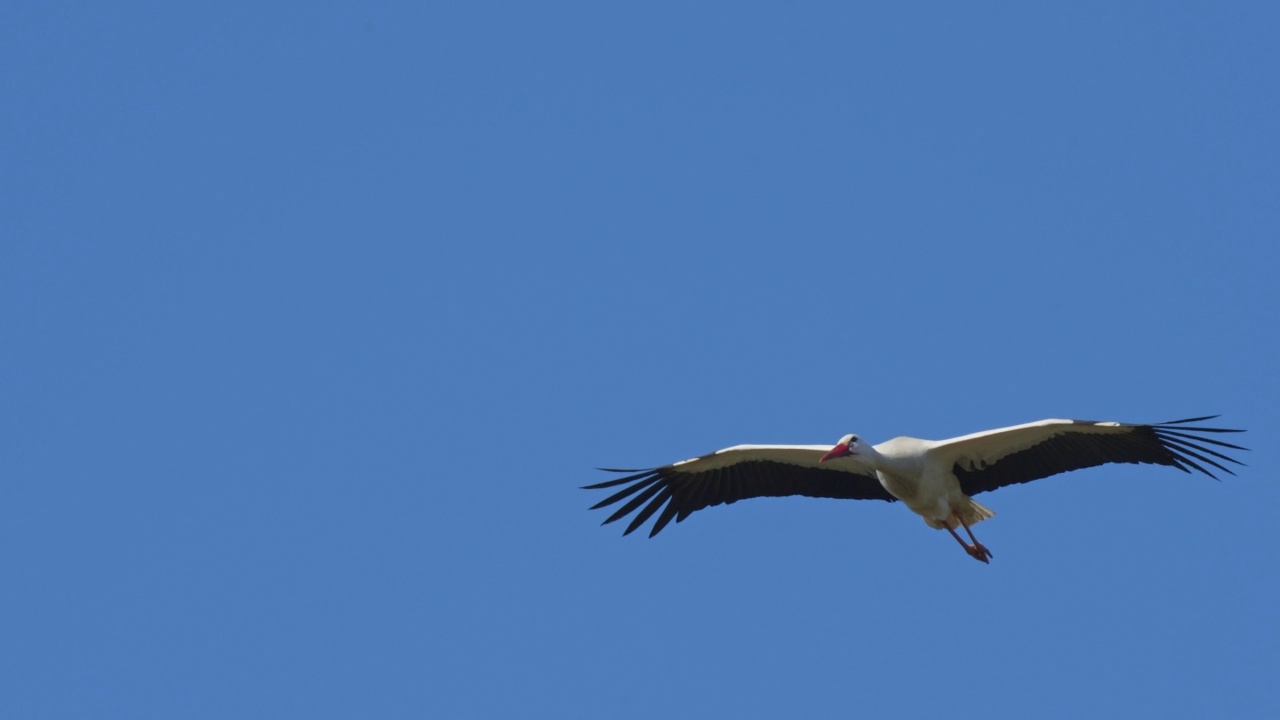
1195,428
1215,453
1185,450
618,481
649,509
1192,463
633,488
1196,438
1184,443
1187,420
635,502
667,513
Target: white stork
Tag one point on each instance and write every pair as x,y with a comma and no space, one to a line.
935,478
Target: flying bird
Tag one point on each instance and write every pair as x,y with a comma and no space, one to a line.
936,479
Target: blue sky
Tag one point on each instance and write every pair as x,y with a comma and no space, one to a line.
313,318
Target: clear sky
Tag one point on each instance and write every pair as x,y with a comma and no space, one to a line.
315,316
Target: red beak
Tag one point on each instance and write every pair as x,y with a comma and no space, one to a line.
838,451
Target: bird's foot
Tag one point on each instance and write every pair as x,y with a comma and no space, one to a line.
978,551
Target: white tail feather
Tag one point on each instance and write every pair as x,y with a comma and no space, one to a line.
976,512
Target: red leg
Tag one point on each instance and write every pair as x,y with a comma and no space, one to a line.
979,550
974,551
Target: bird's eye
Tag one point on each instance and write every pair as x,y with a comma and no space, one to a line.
853,440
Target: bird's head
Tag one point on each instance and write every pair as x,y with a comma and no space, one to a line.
848,445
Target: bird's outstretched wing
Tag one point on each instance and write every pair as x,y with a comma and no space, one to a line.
733,474
1022,453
